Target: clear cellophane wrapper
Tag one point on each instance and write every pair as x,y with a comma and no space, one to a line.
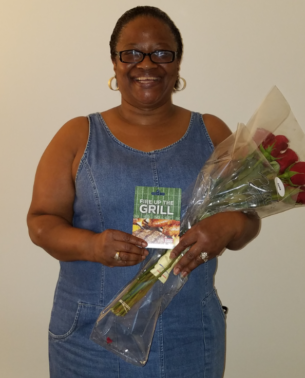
237,177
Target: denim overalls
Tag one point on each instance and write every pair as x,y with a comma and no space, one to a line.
190,334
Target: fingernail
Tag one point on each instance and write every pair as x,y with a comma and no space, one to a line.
183,274
176,271
143,257
146,253
144,244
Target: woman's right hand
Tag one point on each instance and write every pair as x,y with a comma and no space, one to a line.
130,249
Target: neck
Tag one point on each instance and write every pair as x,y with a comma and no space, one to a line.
147,115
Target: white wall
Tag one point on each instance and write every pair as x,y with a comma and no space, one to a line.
55,64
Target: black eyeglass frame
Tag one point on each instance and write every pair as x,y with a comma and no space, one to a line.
119,53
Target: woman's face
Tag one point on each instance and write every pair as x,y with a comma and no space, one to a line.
146,84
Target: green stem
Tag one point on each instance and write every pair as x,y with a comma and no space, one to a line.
140,287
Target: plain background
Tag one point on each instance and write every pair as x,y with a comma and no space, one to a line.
55,65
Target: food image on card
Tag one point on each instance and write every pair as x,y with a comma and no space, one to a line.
157,216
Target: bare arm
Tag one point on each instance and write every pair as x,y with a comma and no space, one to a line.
51,211
231,230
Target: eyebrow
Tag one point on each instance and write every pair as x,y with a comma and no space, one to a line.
158,45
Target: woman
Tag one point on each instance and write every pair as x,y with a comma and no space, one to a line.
82,211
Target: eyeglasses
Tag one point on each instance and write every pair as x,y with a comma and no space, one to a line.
135,56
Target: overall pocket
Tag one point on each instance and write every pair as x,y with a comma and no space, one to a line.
64,323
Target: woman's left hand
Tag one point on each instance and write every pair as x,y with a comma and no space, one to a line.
232,230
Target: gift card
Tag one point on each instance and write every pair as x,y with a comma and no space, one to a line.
156,217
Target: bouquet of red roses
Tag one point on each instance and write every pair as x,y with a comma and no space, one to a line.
259,168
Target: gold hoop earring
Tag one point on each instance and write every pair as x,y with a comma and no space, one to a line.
110,82
184,84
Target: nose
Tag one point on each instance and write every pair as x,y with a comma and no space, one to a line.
146,63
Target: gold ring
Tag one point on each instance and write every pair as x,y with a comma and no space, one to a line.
117,256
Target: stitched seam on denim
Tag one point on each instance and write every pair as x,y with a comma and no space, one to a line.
95,193
207,134
84,157
161,346
203,303
85,304
165,149
154,170
206,274
102,296
102,225
204,344
206,299
57,286
219,304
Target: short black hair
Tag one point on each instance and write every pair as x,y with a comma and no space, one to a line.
133,13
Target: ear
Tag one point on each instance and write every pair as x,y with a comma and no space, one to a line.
178,63
114,62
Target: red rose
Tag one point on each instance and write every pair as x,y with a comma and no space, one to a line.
268,140
296,193
286,159
261,135
301,198
275,144
297,173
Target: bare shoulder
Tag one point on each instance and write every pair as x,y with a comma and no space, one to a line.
216,128
67,146
54,181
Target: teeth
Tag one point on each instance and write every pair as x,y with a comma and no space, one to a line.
146,78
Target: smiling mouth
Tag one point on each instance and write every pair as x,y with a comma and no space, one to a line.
146,79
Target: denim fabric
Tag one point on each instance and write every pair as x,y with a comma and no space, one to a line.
190,334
